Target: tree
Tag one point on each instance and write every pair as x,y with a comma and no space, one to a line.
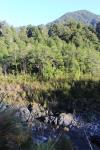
98,29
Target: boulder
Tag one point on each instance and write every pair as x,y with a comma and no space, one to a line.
4,107
65,119
23,113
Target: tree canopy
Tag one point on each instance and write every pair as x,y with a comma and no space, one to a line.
46,50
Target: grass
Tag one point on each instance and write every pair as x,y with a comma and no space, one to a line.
12,131
63,92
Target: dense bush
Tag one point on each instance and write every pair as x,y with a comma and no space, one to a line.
47,51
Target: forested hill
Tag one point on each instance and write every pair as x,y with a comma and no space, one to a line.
45,51
82,16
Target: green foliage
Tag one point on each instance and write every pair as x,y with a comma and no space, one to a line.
45,51
98,29
62,142
51,57
12,131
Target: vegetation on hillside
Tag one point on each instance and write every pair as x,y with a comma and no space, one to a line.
49,63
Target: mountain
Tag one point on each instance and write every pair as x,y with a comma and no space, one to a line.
82,16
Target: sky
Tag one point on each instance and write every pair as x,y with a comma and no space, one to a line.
35,12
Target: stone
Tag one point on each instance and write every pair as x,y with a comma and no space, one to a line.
23,113
3,107
66,129
38,110
65,119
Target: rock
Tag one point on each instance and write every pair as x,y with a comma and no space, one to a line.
66,129
65,119
4,107
48,120
23,113
41,119
30,107
38,110
56,121
51,120
32,112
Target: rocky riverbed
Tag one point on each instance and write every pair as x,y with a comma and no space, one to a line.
84,134
80,132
